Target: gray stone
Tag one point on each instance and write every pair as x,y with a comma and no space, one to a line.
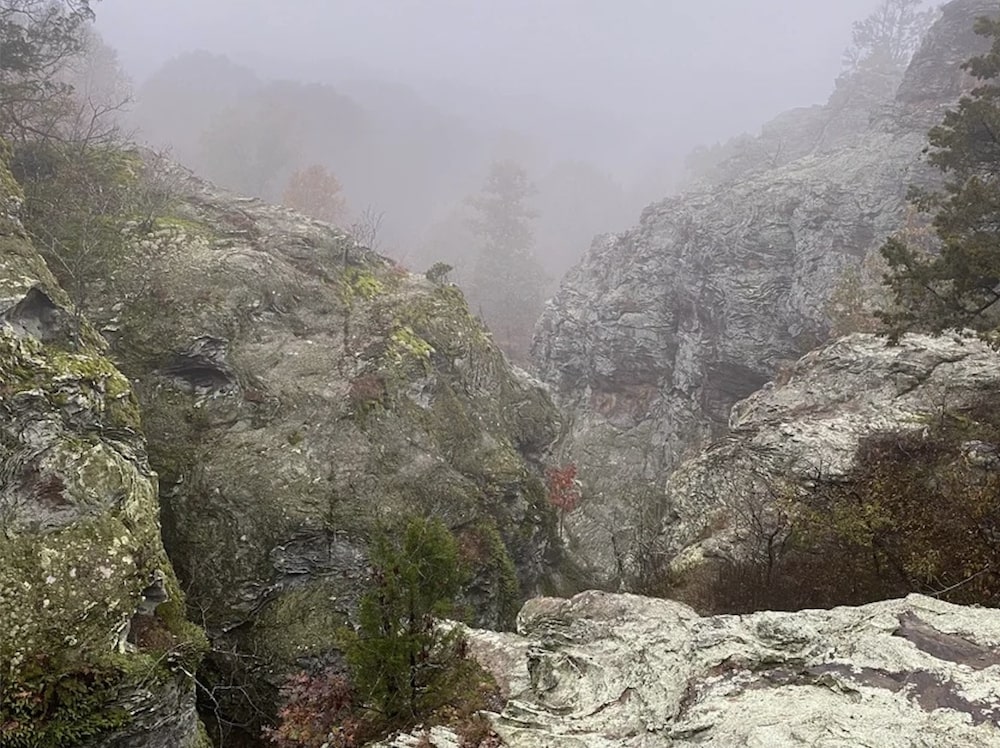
610,671
433,737
660,330
809,426
81,558
298,390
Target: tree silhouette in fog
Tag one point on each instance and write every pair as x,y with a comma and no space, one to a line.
508,283
315,192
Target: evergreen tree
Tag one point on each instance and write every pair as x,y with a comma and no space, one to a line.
38,39
508,286
401,662
957,286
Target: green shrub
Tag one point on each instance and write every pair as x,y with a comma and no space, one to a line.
52,703
404,668
400,660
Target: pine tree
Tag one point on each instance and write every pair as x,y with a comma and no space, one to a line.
957,286
508,286
400,659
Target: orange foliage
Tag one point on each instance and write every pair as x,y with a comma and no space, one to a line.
315,192
318,710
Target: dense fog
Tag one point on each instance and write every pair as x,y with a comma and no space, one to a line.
485,373
404,106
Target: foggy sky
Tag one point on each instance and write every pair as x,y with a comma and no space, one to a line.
680,72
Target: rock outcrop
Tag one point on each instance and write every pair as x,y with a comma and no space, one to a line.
94,645
297,390
808,426
857,99
610,671
661,329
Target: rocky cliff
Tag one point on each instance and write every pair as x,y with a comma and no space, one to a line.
94,645
298,390
609,671
661,329
808,426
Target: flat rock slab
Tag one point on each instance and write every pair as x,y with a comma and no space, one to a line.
602,670
789,433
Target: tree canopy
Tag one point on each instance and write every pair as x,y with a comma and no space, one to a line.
508,285
38,38
887,39
958,285
315,191
400,660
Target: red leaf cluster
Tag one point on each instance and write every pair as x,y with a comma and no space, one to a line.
318,710
563,487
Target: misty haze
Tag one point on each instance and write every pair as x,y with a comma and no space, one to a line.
655,343
408,103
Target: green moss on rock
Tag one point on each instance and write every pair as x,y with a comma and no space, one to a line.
79,544
53,703
360,285
77,382
303,622
406,346
363,394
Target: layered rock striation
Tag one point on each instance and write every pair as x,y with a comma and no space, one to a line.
660,330
610,671
94,645
298,391
807,428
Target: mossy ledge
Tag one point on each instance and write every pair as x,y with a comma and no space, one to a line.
297,391
94,646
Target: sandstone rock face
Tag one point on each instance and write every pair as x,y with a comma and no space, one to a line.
297,390
610,671
94,645
856,101
808,426
661,329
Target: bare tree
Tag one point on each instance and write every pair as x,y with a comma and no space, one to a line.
92,212
367,228
99,93
39,41
636,537
889,36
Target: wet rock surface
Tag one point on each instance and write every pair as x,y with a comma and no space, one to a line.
619,670
298,390
808,427
82,565
661,329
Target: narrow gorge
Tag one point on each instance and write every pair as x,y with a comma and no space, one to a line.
775,525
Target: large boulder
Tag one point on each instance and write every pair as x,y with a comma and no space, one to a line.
807,428
94,645
298,390
616,671
660,330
